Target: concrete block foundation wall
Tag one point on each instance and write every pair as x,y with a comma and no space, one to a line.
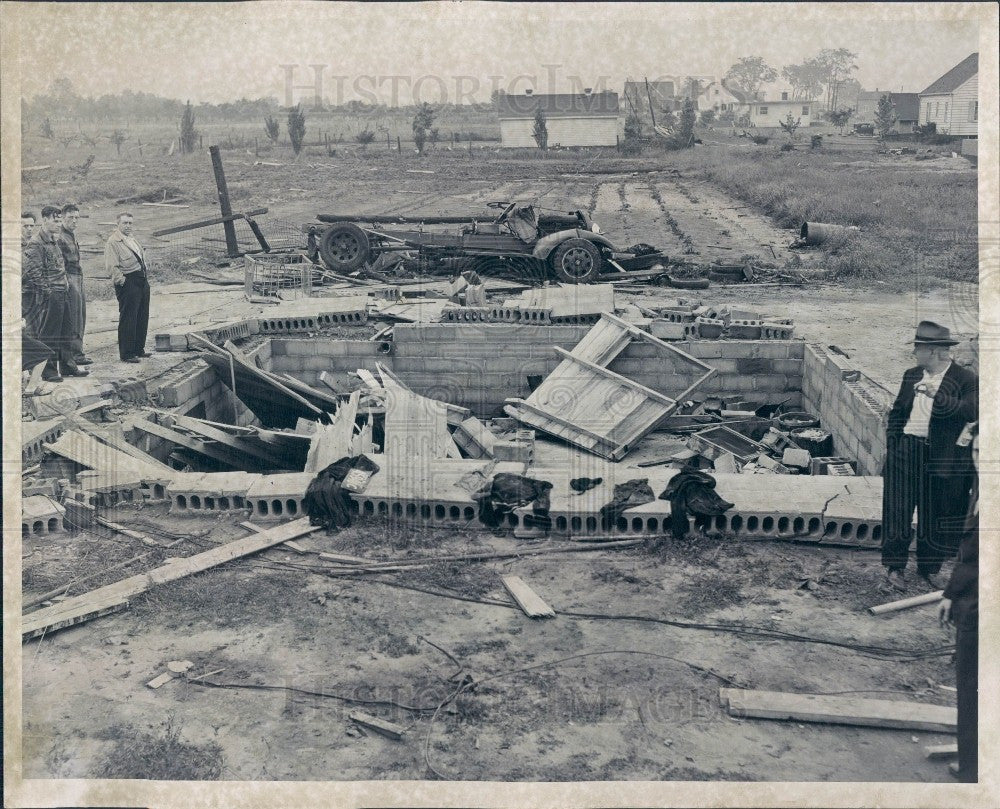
479,365
852,407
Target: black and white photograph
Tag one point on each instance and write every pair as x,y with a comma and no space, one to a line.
500,404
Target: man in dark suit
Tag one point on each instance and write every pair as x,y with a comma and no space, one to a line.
925,468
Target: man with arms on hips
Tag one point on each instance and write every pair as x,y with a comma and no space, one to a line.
126,263
927,467
43,261
74,278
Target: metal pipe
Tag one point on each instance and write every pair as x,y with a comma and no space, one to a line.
817,232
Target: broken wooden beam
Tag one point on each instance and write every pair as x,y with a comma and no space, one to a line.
390,729
941,751
204,223
115,596
831,710
527,599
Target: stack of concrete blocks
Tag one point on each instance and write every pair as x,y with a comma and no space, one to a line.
41,515
305,359
179,339
833,465
278,497
314,313
850,406
467,314
36,434
194,492
520,448
195,389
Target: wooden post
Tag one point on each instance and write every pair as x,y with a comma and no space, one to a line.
256,148
388,142
399,144
200,145
232,248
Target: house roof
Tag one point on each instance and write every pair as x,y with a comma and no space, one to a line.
738,94
793,101
556,105
955,77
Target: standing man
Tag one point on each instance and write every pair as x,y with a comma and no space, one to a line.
126,264
43,261
33,352
925,468
74,277
960,607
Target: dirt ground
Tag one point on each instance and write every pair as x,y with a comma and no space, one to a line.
616,695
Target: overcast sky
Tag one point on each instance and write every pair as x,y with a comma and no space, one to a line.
213,52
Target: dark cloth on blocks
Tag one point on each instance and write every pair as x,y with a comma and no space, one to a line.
631,493
326,502
692,492
507,491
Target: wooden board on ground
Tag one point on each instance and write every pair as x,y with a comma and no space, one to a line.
879,713
527,599
941,751
390,729
589,406
906,603
115,596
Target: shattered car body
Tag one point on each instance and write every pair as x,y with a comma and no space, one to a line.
566,246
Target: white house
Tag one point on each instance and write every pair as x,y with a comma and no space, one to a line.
720,98
952,102
770,113
572,119
904,108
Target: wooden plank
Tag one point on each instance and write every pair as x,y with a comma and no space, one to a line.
123,446
550,422
906,603
937,752
213,451
649,338
527,599
115,596
87,451
456,413
255,450
204,223
621,380
334,441
393,731
245,363
415,426
880,713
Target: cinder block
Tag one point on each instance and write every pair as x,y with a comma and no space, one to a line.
771,382
789,367
755,365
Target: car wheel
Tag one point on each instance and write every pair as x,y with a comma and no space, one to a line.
576,261
344,247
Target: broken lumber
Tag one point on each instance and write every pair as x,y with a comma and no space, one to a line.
528,600
204,223
334,441
941,751
877,713
906,603
389,729
115,596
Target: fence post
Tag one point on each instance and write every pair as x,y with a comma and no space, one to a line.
399,144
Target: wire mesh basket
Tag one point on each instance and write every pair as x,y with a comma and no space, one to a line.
279,275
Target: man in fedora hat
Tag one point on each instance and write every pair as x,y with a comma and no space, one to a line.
925,467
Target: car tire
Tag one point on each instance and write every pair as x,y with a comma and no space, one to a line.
576,261
344,247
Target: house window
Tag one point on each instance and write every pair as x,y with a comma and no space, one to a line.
974,111
946,110
805,110
937,109
784,96
762,110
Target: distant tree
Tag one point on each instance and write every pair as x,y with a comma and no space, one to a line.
189,136
839,118
47,129
434,135
837,65
750,73
422,122
806,79
272,128
540,130
706,117
685,126
296,128
790,124
365,137
633,133
885,117
692,88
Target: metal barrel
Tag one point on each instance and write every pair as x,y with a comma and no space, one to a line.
818,232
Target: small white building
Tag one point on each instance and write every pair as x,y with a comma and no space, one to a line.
952,102
770,113
720,98
572,119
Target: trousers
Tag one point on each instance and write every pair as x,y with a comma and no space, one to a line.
133,315
33,352
940,501
53,330
77,314
967,682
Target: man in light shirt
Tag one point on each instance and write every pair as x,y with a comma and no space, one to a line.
126,263
925,467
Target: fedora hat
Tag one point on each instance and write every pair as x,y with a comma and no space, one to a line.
933,334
